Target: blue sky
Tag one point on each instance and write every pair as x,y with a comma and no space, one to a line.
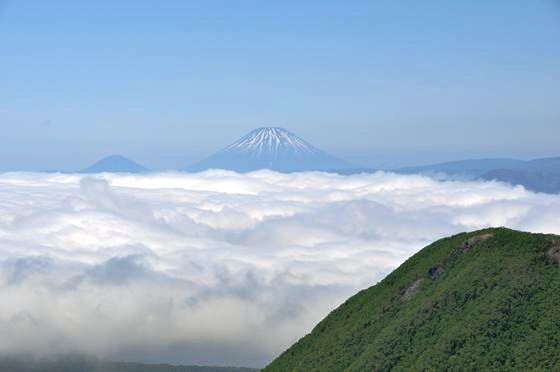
376,82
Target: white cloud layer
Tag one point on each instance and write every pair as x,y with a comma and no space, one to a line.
217,267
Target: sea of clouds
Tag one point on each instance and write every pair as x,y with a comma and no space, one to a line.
217,267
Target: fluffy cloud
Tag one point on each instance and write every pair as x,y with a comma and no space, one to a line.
217,267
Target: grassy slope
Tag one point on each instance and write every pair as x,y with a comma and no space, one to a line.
495,306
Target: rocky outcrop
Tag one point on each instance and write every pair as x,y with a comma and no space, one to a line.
411,290
553,255
469,243
434,272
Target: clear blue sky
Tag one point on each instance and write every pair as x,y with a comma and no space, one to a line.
375,82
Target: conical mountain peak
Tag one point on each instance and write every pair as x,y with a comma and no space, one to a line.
115,164
272,148
272,141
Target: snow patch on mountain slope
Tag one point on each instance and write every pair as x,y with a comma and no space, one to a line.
272,140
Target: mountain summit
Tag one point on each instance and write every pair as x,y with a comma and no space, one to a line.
479,301
270,148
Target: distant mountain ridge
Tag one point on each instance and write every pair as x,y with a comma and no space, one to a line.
82,363
280,150
271,148
540,175
469,168
477,167
534,180
115,164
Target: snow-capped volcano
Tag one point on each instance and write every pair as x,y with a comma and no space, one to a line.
271,141
270,148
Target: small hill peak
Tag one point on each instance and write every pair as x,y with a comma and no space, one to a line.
115,164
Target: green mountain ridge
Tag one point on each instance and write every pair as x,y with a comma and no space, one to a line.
486,300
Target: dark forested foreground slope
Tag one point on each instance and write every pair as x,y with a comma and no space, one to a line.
478,301
79,363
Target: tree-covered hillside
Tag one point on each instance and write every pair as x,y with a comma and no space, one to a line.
487,300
